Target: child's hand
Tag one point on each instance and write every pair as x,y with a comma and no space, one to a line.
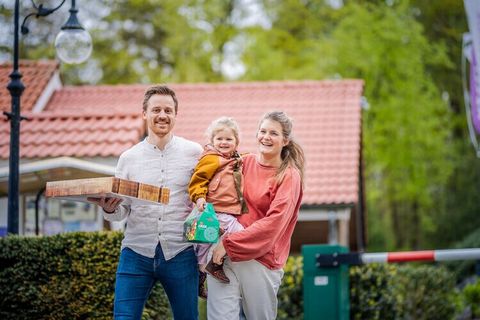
219,253
201,204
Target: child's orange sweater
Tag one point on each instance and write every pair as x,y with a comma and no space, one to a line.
213,180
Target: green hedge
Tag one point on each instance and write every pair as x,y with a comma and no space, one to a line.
71,276
290,296
468,299
471,296
425,292
68,276
383,291
371,295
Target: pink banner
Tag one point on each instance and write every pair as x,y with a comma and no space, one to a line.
472,8
474,94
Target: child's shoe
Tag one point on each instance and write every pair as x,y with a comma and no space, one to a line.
202,289
216,271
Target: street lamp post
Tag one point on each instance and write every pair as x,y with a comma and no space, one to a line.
73,45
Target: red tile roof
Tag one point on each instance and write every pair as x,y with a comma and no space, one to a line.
327,122
49,135
35,77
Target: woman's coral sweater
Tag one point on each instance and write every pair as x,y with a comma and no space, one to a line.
271,218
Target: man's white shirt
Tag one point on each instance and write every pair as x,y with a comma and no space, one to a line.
147,225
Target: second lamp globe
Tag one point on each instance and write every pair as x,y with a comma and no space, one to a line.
73,45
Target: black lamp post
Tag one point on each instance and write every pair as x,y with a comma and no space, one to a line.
73,45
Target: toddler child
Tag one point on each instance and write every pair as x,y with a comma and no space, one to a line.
217,179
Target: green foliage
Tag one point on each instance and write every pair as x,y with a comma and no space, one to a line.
406,168
380,291
136,41
202,309
402,292
71,276
151,41
445,21
290,296
68,276
371,292
461,206
407,130
422,177
425,292
471,295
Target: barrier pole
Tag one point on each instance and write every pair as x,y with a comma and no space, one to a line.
326,277
356,258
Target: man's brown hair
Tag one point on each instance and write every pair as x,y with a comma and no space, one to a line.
161,90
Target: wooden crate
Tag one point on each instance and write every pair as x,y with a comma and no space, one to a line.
130,191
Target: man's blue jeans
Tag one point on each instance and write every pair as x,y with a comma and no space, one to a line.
137,274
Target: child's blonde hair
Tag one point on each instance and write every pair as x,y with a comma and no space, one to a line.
221,124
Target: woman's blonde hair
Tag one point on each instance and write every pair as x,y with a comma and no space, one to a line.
292,153
220,124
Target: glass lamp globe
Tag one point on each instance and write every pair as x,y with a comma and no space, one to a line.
73,45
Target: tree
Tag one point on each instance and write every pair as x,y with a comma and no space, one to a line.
407,132
407,135
140,41
407,51
444,22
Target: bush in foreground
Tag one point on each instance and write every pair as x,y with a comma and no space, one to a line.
72,276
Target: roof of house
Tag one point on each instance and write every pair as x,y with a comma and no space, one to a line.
35,77
48,135
327,120
87,121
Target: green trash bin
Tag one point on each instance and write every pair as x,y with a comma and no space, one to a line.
325,289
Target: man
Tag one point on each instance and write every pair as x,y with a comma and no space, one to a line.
153,247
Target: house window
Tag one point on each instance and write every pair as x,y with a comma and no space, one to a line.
57,216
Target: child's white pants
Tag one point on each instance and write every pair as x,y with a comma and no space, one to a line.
229,224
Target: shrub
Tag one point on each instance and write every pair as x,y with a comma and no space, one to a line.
290,295
67,276
425,292
410,291
371,292
471,295
380,291
71,276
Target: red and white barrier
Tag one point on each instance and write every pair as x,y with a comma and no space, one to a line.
428,255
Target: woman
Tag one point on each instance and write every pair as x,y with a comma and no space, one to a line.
255,256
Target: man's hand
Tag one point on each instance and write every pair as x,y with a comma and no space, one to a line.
201,202
109,205
219,253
